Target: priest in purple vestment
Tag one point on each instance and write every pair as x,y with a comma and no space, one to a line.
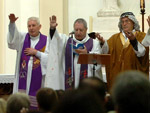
32,53
63,71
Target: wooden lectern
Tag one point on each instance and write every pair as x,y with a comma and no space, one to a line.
103,59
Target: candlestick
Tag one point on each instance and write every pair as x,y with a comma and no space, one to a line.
142,4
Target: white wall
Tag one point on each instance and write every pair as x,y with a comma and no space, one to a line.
134,6
82,9
86,8
49,8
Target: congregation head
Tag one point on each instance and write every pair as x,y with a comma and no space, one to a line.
47,99
131,92
80,101
3,105
95,84
16,102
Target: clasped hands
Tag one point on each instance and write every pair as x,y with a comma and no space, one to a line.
130,35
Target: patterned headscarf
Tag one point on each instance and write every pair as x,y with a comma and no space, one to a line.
131,16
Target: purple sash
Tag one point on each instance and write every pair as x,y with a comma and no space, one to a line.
84,67
36,78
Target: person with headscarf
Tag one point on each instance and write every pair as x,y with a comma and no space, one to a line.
127,52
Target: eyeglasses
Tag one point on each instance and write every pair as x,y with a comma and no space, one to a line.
127,14
125,22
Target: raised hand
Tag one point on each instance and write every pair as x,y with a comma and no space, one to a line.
30,51
53,23
12,18
148,20
100,38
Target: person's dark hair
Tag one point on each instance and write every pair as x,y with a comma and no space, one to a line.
35,111
47,99
95,84
80,101
126,14
131,92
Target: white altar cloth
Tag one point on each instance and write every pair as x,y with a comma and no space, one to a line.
7,78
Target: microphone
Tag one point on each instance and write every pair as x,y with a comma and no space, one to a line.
71,33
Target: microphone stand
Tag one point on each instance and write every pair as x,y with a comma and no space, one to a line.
94,64
72,66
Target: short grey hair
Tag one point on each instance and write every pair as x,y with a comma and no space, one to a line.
34,19
16,102
81,20
3,105
133,19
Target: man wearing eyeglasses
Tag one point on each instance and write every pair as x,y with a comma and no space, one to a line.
127,52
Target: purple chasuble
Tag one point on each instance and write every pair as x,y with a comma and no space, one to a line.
68,64
36,77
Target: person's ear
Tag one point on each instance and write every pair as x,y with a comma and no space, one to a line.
40,26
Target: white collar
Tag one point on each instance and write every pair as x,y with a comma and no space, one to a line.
35,38
82,41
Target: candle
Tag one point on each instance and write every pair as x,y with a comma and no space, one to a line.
142,4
